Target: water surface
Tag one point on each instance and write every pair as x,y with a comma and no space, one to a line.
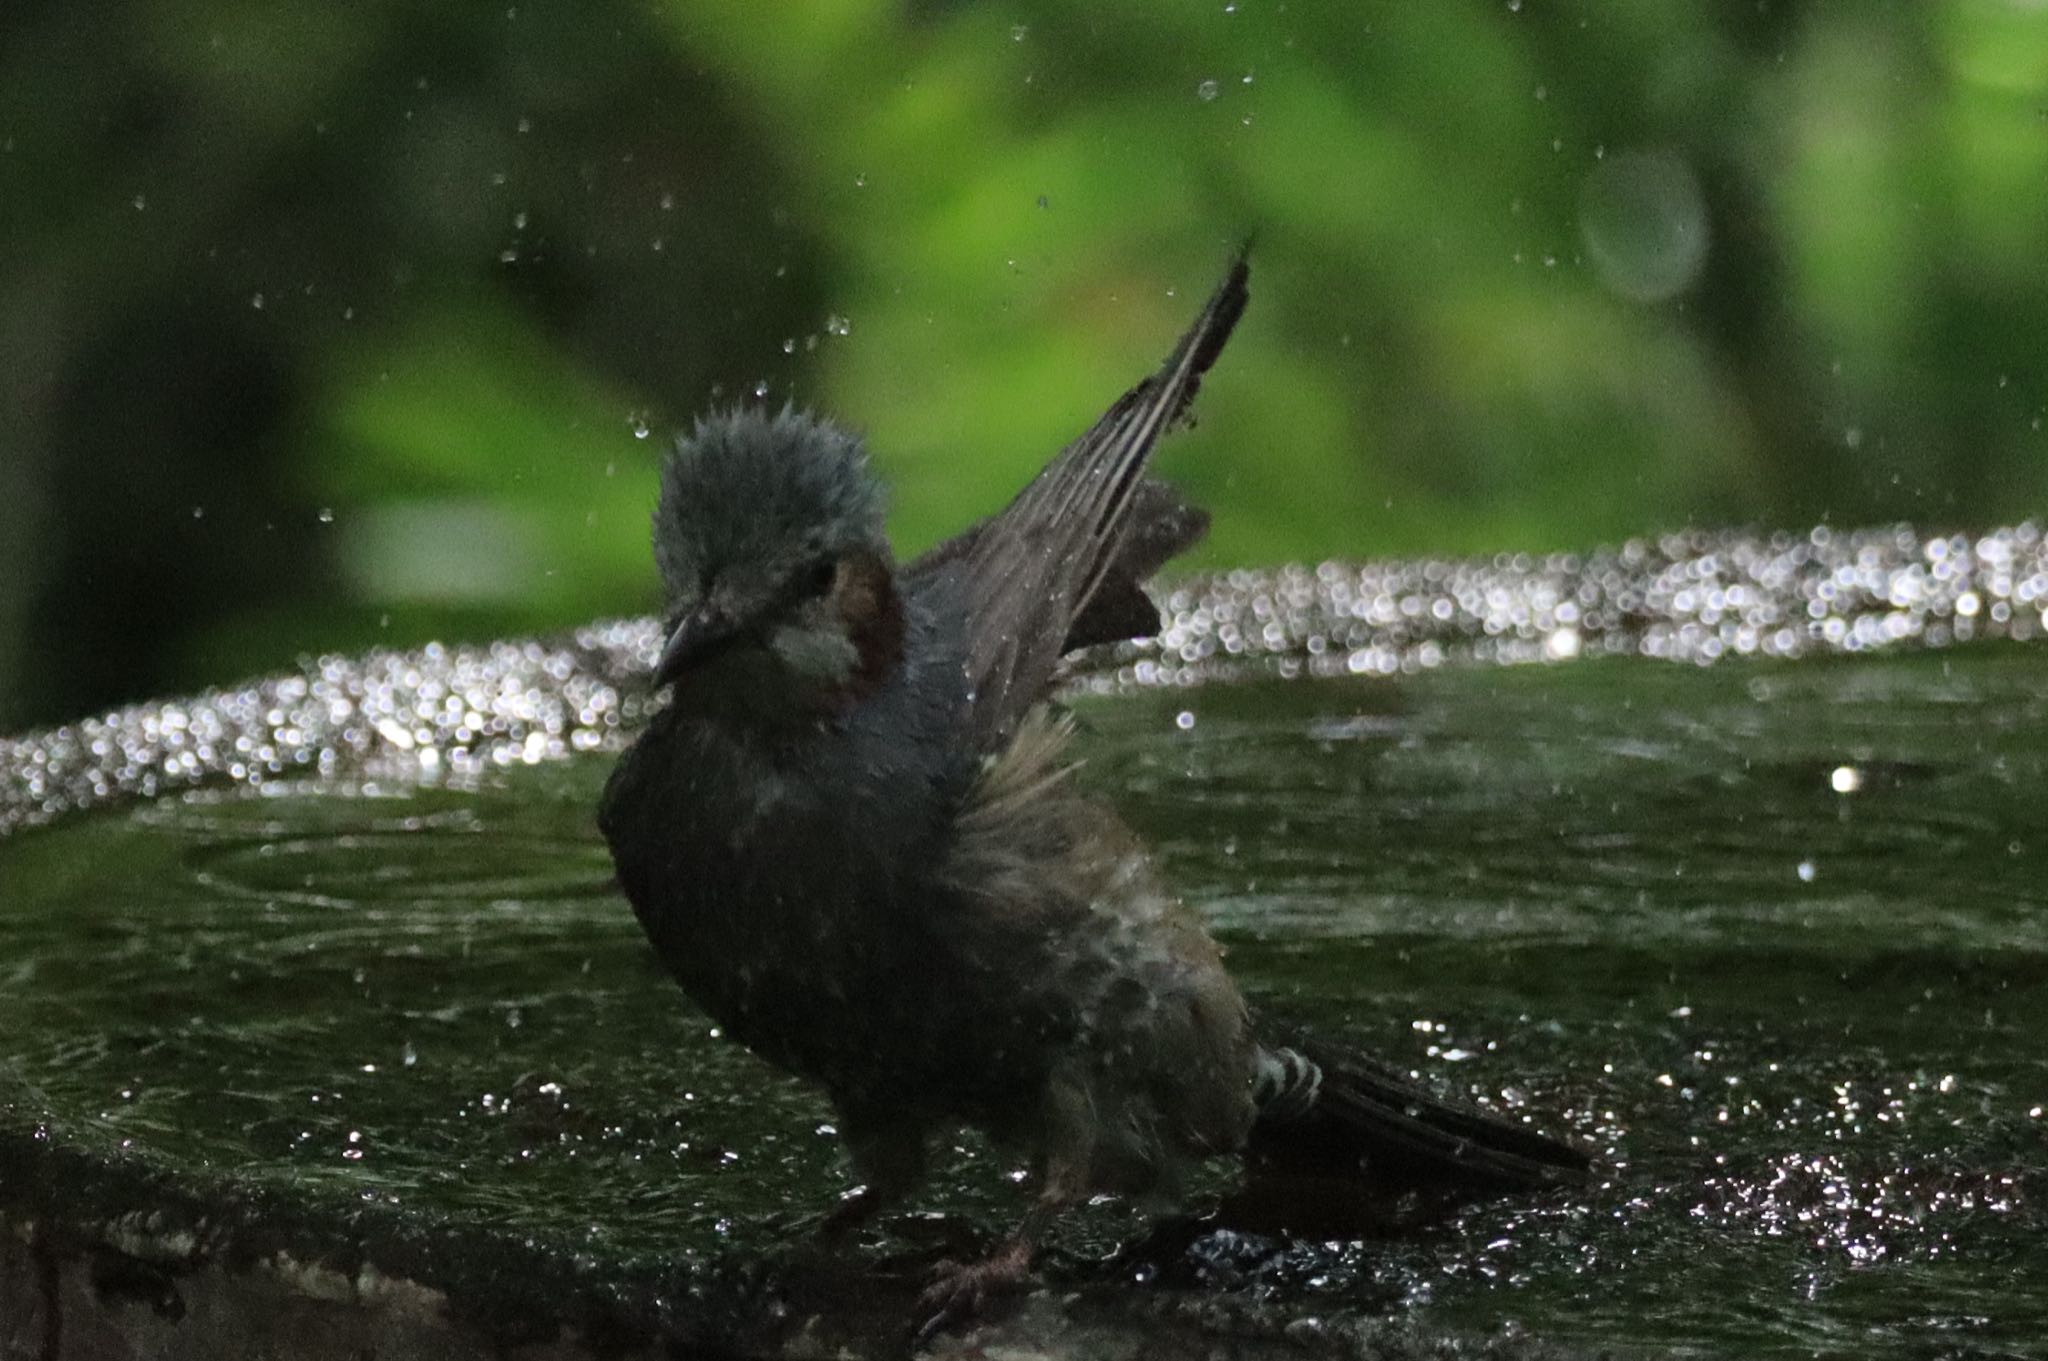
1768,936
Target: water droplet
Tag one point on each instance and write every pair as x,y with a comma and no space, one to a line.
638,421
140,202
1207,91
1845,779
519,220
761,387
1643,218
860,181
326,515
838,325
1807,872
1018,32
525,125
256,302
1184,720
668,203
1514,6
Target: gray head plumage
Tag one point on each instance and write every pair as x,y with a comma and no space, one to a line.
751,494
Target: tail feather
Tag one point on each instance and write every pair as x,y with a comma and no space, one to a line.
1361,1115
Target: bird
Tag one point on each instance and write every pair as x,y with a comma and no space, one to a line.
854,836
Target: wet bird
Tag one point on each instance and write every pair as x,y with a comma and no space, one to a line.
854,838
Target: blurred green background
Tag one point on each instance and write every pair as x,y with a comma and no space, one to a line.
328,326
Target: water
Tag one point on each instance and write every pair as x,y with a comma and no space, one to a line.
1767,935
1693,596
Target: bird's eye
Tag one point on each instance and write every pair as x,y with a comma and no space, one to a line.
817,578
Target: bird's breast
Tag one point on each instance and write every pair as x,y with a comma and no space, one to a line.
776,896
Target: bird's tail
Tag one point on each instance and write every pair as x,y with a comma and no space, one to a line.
1326,1110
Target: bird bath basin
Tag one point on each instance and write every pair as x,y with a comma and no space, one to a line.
341,1042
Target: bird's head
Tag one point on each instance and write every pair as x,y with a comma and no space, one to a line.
782,599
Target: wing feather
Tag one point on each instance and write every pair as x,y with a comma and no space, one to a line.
1028,575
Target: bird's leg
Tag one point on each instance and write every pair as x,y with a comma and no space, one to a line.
888,1157
960,1290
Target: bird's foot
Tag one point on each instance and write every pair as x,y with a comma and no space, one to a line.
961,1290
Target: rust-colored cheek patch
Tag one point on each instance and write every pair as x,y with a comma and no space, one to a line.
864,593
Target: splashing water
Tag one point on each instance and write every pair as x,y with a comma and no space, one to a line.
1692,597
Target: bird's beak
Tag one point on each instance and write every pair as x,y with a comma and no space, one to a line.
700,635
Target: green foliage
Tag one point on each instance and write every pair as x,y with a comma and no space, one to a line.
320,327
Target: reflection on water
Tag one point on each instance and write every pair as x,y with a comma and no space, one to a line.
1798,1010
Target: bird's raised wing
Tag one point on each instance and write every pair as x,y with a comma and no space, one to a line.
1061,565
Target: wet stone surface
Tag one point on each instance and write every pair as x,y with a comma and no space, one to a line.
1767,935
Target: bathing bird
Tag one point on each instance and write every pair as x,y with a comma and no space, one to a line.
854,836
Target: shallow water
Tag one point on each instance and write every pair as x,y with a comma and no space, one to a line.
1768,935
